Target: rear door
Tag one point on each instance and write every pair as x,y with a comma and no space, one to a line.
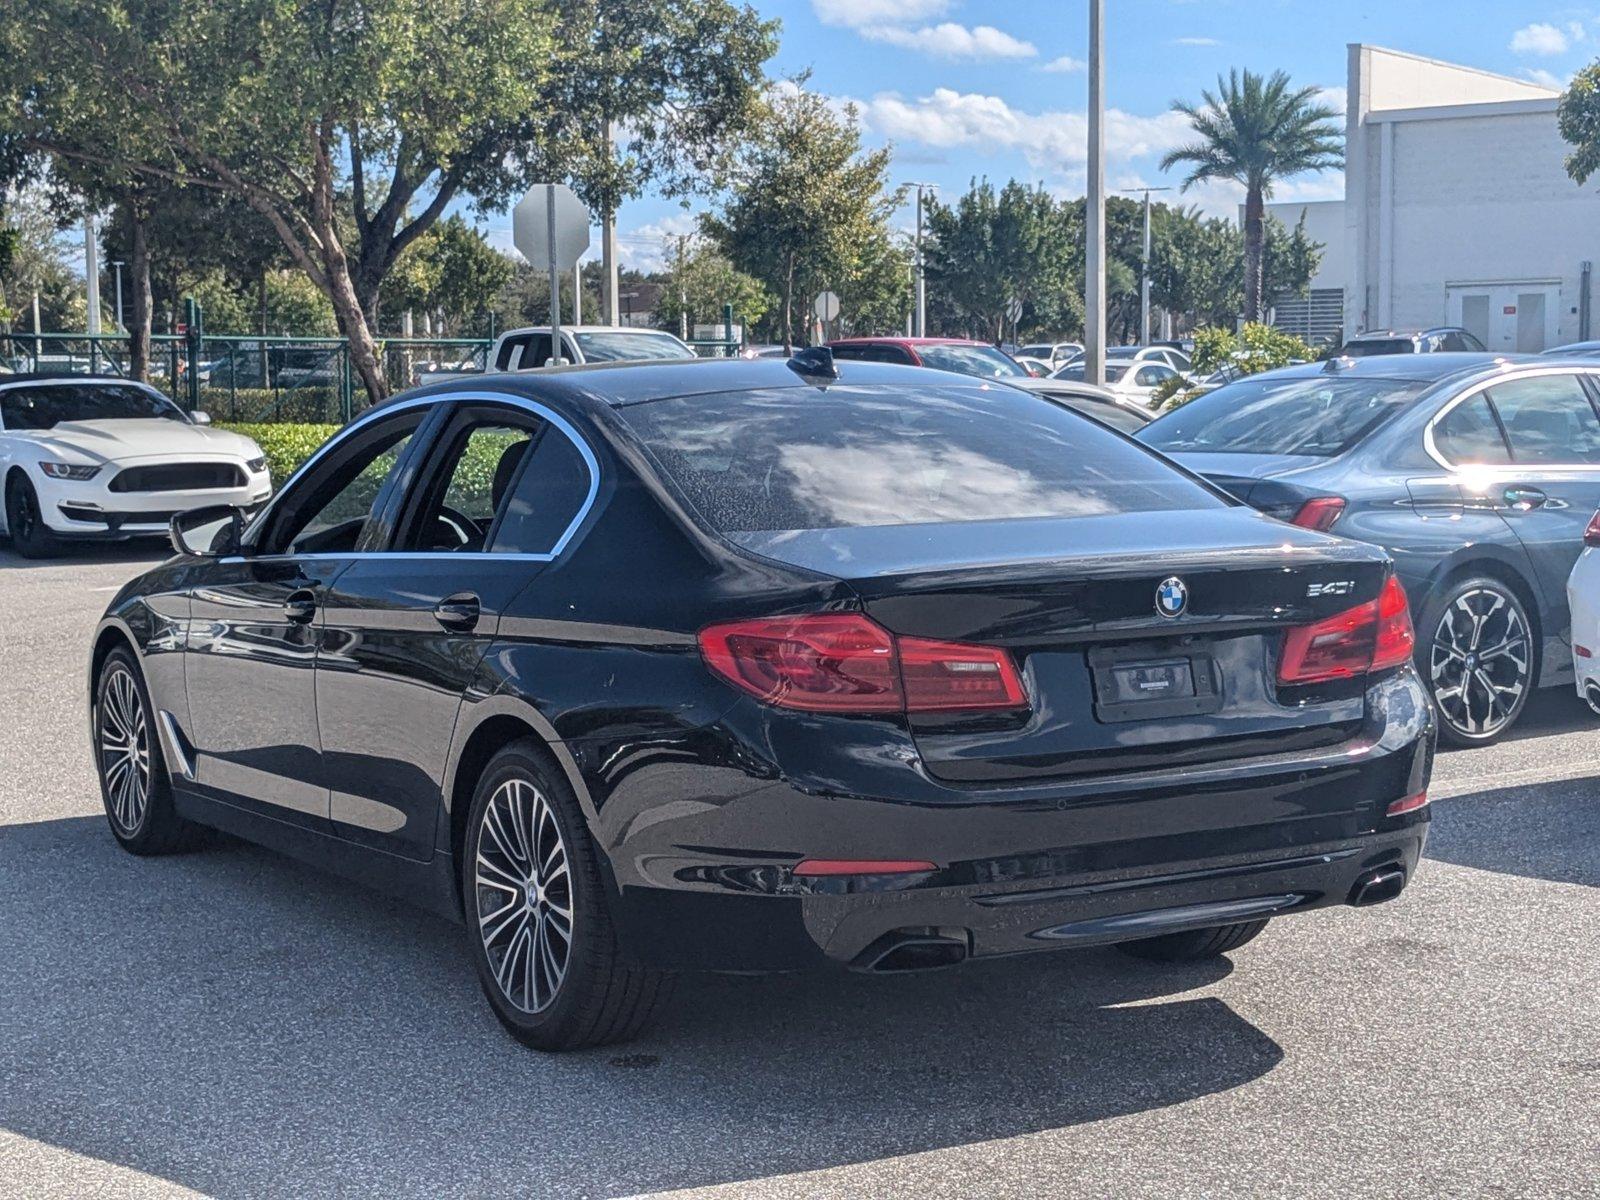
1551,487
406,627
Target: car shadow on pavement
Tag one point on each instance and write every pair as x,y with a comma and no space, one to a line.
138,554
1541,831
234,1023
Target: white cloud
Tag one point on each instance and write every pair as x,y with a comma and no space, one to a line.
1336,98
1545,78
854,14
1196,41
1065,63
1052,142
949,40
1541,38
647,248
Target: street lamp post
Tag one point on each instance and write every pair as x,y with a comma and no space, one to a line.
116,265
1144,267
1094,291
920,329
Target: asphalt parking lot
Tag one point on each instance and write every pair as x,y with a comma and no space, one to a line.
230,1024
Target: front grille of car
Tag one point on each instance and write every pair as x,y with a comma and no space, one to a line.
179,477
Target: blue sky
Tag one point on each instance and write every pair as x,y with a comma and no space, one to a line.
965,88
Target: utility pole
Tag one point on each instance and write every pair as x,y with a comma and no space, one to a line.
683,291
118,267
91,270
577,294
608,249
920,329
1144,267
1094,291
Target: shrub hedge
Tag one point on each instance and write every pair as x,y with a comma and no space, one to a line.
286,445
301,404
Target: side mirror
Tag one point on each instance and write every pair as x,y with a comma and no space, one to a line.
211,532
200,418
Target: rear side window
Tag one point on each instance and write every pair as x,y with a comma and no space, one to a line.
802,458
1468,435
1548,419
548,492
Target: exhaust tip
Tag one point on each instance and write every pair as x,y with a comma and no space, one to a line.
1591,696
905,950
1375,887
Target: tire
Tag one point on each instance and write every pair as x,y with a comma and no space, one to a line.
1195,944
1476,699
134,785
29,536
516,913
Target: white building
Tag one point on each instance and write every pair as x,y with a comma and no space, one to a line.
1458,210
1318,316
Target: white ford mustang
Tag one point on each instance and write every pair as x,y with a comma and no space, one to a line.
99,458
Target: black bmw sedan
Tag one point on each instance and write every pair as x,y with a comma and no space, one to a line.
735,666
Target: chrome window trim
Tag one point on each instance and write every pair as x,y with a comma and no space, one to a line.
542,411
1482,386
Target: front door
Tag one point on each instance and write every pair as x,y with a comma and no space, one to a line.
255,632
1508,318
405,629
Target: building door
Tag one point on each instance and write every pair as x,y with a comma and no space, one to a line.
1508,318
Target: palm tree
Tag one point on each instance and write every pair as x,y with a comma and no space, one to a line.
1256,131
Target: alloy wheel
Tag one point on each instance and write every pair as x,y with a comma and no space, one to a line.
124,741
23,516
524,894
1480,662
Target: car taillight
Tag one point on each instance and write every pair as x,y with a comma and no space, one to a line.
1373,636
1407,804
1319,513
1591,531
848,663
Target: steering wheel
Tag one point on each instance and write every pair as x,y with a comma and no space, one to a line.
463,528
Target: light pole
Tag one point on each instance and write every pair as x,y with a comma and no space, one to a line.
921,327
1094,290
1144,267
91,270
116,265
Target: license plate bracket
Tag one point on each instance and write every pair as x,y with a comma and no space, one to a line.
1132,684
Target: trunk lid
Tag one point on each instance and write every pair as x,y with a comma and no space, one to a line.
1276,484
1114,683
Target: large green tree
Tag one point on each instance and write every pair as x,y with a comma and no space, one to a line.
700,283
1578,118
807,203
1255,131
451,272
352,126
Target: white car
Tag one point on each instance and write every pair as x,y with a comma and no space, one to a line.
106,458
1057,354
1127,377
1583,599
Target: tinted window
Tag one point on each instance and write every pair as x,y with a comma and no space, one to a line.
460,498
47,406
627,345
1264,415
799,458
1372,346
1467,435
982,362
546,495
883,354
1548,419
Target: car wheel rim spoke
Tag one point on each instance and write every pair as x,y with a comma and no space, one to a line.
524,895
124,740
1480,662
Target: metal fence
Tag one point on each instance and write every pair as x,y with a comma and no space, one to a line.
252,377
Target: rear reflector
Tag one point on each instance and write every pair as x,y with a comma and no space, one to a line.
814,867
1373,636
1582,651
848,663
1409,804
1591,532
1319,512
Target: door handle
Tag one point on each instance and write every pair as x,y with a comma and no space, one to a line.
459,612
1524,498
301,606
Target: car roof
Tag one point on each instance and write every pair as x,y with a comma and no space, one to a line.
905,341
64,377
1384,334
620,384
1429,368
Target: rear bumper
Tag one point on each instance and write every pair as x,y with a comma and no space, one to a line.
704,877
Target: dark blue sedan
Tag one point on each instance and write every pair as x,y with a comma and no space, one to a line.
1479,474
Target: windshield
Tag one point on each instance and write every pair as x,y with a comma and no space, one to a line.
982,362
49,405
1262,415
1369,347
1075,371
627,345
854,456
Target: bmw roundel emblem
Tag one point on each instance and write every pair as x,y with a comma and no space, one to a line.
1172,597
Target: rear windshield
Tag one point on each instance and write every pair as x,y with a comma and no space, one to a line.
1265,415
48,405
1372,346
848,457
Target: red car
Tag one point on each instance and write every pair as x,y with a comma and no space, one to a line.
965,357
